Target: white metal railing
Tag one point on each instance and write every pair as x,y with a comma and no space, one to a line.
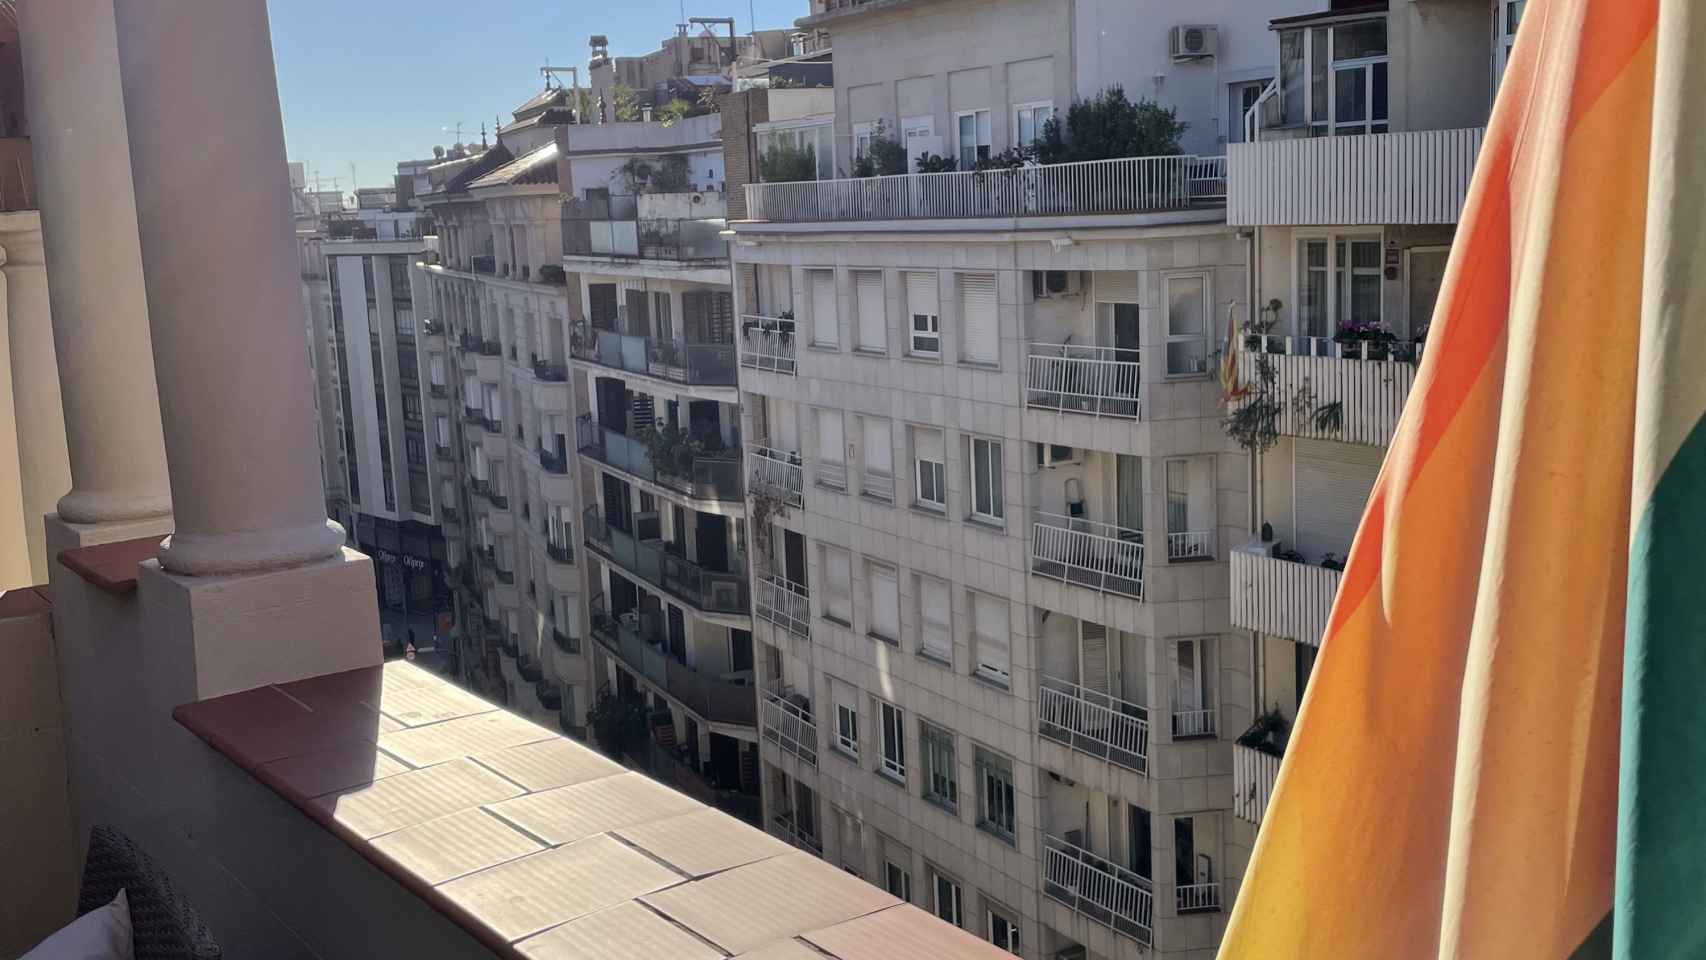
1124,185
784,603
1100,556
1253,776
1370,393
1191,545
767,343
1264,109
790,726
1098,889
1193,723
1189,897
832,475
1096,723
1277,179
778,473
789,829
1281,597
879,485
1102,381
1409,351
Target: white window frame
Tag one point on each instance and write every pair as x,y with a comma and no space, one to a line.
986,812
982,133
1327,125
928,326
863,134
1032,107
1008,940
1503,37
847,729
937,470
1203,337
994,479
1334,315
893,871
934,778
891,737
956,896
990,672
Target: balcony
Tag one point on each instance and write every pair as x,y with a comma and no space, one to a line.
767,343
560,552
1197,897
675,769
562,641
1279,182
1100,381
1253,775
550,371
631,227
714,475
776,473
784,603
1369,379
438,391
1100,556
788,724
469,342
695,364
1098,889
551,461
432,327
1284,598
491,348
442,452
504,576
710,591
714,698
1193,724
1190,546
787,826
1125,186
486,264
1098,724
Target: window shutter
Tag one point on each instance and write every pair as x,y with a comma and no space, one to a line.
838,577
990,623
885,603
929,445
873,320
879,457
825,330
921,294
471,392
1333,484
444,431
935,637
831,448
1116,286
980,318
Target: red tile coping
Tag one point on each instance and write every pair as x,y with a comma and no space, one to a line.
25,601
459,801
111,566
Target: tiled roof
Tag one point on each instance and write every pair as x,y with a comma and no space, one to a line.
539,846
535,166
460,177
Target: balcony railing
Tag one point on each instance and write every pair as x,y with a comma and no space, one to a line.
1193,723
776,473
702,364
1277,182
483,264
563,641
593,230
673,768
443,452
491,348
715,699
711,591
505,576
1281,597
1100,556
1101,381
767,343
1253,776
550,371
1369,379
787,826
1191,545
1098,724
438,390
553,462
560,552
784,603
790,726
1098,889
1197,897
1129,185
432,327
714,475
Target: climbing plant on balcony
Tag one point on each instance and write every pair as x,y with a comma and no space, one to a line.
671,449
1268,734
884,156
1253,421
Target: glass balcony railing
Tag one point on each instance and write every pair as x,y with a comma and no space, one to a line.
710,591
704,364
643,651
712,476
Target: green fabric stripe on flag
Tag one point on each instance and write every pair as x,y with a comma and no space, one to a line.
1661,846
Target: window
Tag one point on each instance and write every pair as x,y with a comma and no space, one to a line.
1338,284
1187,325
826,331
1333,78
435,367
941,775
837,586
897,880
893,760
945,898
1193,714
831,450
885,603
1003,932
1507,16
863,133
441,426
985,469
979,318
990,628
971,137
846,717
995,793
872,315
1028,120
923,308
879,459
930,462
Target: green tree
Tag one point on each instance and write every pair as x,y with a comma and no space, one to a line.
784,161
618,724
673,111
581,100
1108,126
624,103
885,155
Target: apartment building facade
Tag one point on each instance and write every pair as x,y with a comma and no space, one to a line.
992,501
1389,104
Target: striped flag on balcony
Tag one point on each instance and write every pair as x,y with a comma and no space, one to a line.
1231,386
1502,737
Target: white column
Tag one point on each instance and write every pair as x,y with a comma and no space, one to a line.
42,472
100,313
220,265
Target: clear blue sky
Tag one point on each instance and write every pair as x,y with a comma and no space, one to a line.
374,82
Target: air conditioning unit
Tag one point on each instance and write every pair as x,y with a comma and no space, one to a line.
1055,455
1193,41
1056,283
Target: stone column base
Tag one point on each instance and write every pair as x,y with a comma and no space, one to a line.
62,534
246,630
